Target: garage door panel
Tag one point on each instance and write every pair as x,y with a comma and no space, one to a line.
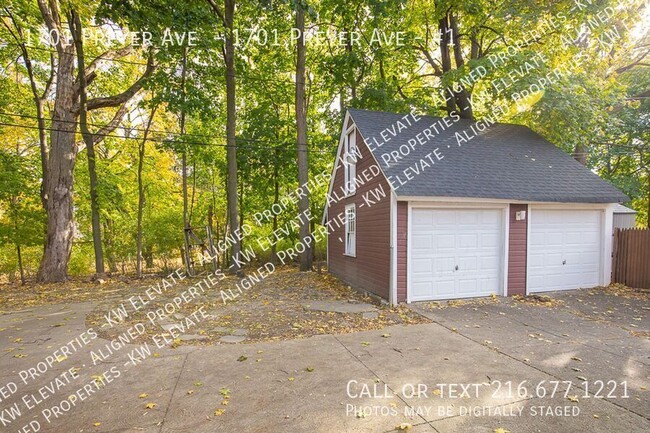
467,265
564,251
443,288
422,265
489,263
422,242
444,242
468,287
444,265
468,239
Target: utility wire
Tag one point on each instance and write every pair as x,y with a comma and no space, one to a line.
128,129
157,140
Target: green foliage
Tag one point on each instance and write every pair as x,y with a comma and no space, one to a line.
594,107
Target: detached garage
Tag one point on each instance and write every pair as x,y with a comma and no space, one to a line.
459,210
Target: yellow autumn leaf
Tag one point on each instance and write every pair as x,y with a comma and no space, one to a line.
501,430
525,103
404,426
573,398
143,395
219,412
97,424
150,405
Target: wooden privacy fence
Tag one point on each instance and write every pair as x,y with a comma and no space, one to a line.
631,257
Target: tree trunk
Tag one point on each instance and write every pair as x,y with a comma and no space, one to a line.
187,260
59,176
231,122
60,173
463,96
74,23
39,99
445,60
301,142
276,200
141,150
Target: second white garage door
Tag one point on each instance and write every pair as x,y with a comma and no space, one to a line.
455,253
564,250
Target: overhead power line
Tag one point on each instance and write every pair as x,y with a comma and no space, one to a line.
159,140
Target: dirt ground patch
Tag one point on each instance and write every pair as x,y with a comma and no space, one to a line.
273,309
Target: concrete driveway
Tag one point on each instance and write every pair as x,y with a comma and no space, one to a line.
480,366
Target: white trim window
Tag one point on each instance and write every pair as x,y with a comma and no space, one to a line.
350,162
351,230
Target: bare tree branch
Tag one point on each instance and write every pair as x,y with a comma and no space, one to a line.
119,99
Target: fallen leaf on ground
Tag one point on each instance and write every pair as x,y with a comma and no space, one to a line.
143,395
219,412
150,405
573,398
404,426
242,358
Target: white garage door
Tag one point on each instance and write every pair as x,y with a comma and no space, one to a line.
564,250
455,253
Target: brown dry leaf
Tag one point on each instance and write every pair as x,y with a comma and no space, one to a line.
575,358
99,380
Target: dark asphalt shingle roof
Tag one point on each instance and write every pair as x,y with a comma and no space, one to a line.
504,162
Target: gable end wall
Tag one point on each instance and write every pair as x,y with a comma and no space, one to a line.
370,269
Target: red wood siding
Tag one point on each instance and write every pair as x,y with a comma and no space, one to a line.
370,269
517,247
402,242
